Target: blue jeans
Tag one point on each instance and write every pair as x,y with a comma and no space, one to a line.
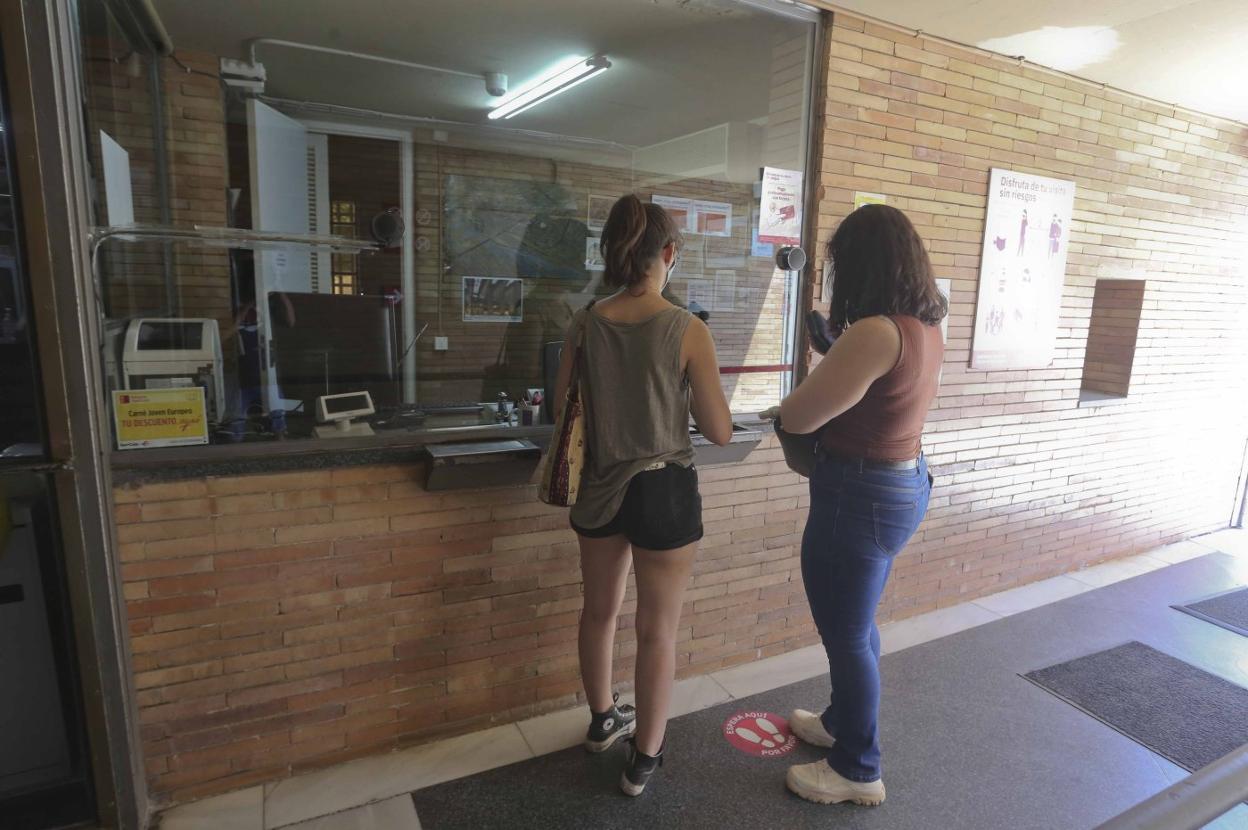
860,519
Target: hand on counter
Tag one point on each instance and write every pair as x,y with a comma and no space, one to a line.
770,414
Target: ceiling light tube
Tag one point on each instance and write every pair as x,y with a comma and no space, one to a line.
560,79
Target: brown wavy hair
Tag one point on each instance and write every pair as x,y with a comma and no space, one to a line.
879,267
634,235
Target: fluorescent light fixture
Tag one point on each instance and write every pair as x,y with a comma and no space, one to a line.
560,78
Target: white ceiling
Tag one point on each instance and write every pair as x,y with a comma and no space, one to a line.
1193,53
678,65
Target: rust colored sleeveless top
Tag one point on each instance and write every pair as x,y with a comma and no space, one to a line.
887,424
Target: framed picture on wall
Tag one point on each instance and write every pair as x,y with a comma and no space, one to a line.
493,300
593,255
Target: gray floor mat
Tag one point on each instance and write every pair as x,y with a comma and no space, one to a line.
1180,712
1229,610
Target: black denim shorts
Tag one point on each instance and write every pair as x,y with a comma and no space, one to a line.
662,510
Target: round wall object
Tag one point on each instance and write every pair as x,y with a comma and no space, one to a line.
790,258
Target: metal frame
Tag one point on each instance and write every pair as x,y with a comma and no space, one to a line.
407,208
813,176
1241,491
786,8
41,49
1193,802
255,43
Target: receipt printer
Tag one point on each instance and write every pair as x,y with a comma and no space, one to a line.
174,353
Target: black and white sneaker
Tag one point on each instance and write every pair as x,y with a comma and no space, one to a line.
640,767
608,727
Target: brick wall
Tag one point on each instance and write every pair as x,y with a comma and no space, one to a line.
1112,330
285,622
1028,484
290,621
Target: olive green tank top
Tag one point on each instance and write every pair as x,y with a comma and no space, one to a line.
636,406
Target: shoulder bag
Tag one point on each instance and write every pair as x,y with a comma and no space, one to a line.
565,458
799,450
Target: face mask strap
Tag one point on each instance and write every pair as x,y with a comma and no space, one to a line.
671,269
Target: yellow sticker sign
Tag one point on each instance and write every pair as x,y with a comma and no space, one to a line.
159,417
861,199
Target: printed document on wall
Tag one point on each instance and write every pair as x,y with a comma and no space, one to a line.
780,213
1022,271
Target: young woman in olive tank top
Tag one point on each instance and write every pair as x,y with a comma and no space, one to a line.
647,364
867,399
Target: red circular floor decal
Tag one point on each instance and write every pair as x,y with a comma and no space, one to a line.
760,733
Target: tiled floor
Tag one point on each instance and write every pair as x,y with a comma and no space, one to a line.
398,813
368,794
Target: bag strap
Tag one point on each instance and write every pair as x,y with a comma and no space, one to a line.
578,359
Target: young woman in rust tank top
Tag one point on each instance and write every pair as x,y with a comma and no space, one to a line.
867,399
647,364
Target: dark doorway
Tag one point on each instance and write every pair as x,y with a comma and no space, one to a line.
44,773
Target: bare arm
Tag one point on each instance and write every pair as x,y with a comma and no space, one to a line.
867,351
710,407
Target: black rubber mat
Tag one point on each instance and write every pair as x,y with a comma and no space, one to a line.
1180,712
704,776
1228,610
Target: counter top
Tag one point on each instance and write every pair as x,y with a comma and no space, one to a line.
140,466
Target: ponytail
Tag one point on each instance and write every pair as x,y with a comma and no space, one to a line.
634,235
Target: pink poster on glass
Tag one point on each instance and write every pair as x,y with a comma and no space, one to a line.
780,208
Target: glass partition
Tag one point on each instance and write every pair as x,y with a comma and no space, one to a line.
471,152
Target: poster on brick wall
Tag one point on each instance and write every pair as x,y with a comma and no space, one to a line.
1022,270
681,210
713,218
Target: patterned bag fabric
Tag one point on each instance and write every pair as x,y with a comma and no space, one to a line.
565,458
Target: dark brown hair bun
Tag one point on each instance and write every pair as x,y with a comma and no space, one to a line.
634,235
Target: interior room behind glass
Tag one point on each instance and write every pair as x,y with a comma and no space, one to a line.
475,236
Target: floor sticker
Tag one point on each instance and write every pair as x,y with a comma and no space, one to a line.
760,733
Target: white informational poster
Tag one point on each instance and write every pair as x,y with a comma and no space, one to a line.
593,254
713,218
118,191
1022,271
691,261
780,213
725,291
702,294
681,210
